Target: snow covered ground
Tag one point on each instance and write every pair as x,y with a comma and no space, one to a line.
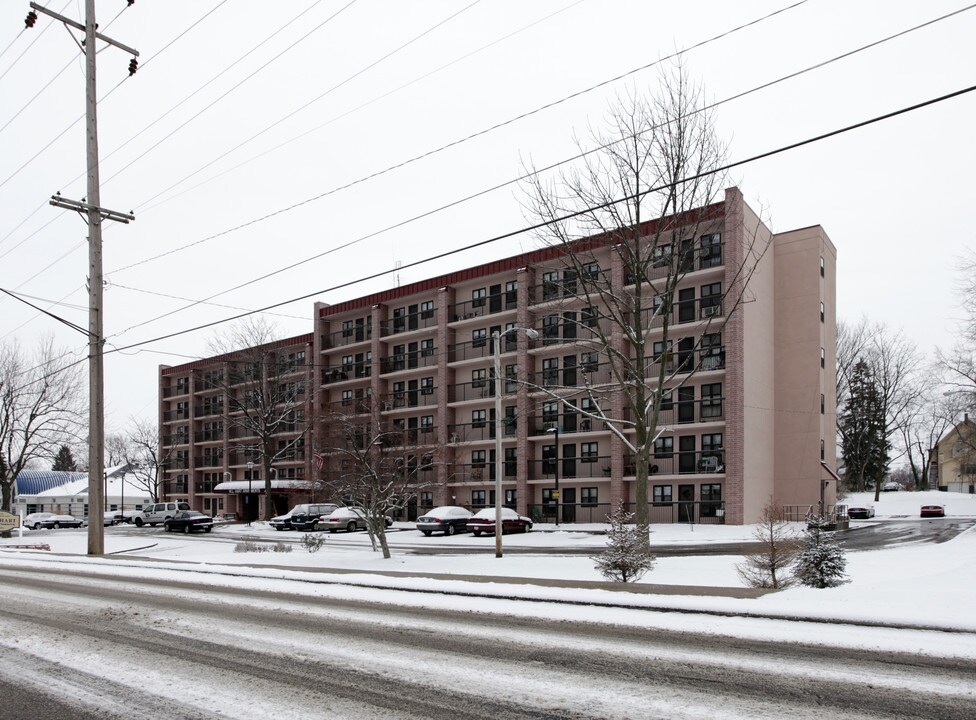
930,586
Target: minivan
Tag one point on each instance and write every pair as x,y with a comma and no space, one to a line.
156,513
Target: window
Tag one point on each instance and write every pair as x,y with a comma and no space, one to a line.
711,250
399,319
664,447
660,255
569,325
712,457
347,328
478,458
479,337
427,499
478,297
427,347
550,285
822,311
589,452
511,294
550,329
711,300
821,266
479,418
588,496
591,272
823,403
589,361
659,352
589,316
550,413
479,378
347,363
550,372
477,498
662,494
711,499
426,423
823,357
427,386
711,401
511,497
822,450
427,309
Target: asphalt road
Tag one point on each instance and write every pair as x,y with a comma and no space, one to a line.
82,646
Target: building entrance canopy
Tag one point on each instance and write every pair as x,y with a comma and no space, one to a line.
257,486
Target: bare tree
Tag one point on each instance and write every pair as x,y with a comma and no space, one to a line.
116,449
266,400
143,455
925,423
41,408
628,226
767,566
380,469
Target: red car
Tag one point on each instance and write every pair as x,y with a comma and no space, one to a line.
484,522
932,511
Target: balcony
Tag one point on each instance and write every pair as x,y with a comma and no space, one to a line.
410,437
693,257
175,390
417,397
178,414
591,466
173,440
209,461
347,336
208,436
208,410
415,359
489,305
702,462
478,430
174,488
478,390
409,322
350,406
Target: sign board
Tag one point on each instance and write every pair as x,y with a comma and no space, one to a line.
9,522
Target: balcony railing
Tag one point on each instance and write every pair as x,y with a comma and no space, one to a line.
180,414
174,390
419,320
703,511
352,372
668,462
174,488
411,436
172,440
206,410
420,397
351,406
478,430
489,305
475,390
347,336
572,331
209,461
566,422
414,359
594,466
208,436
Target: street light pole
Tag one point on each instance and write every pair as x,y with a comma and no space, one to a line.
555,432
247,500
496,338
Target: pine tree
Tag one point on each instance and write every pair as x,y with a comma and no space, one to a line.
821,563
767,566
864,444
626,557
64,460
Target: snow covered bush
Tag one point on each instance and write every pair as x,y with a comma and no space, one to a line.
313,542
767,566
626,557
281,547
821,562
249,544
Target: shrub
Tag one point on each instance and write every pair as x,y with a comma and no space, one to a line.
766,567
281,547
313,542
821,563
249,544
626,557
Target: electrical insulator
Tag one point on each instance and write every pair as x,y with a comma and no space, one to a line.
30,19
133,66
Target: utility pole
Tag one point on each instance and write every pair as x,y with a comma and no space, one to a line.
95,214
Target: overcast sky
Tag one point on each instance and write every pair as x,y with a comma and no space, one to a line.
200,142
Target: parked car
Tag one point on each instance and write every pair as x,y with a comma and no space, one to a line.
302,517
448,519
156,513
484,522
189,521
345,518
860,513
890,487
932,511
33,520
60,521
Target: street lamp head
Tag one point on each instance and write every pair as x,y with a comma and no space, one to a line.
532,333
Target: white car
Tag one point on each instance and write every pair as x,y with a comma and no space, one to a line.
157,513
34,520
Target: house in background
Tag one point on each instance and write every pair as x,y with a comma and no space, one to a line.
953,460
67,493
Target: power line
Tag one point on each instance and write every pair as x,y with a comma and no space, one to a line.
552,166
308,104
29,46
70,324
569,216
232,89
185,299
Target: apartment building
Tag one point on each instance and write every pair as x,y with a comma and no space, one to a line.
212,415
749,411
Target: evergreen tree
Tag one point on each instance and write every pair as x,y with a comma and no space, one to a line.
64,460
864,443
626,557
821,563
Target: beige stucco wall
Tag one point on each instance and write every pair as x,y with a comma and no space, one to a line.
758,307
799,381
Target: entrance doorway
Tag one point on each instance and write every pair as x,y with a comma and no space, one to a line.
686,503
568,505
